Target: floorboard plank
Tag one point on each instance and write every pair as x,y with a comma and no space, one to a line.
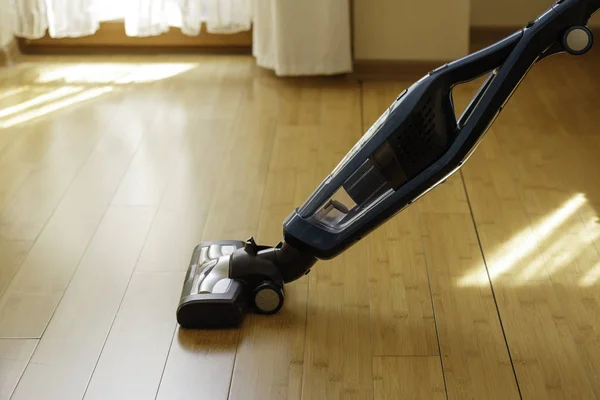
158,155
401,304
338,296
14,356
186,203
31,298
64,360
12,254
545,357
279,339
534,204
203,361
474,354
24,217
338,320
408,378
12,176
133,358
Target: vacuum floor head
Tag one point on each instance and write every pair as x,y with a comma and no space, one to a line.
226,279
210,298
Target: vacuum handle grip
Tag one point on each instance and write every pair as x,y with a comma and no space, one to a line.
580,10
479,63
563,14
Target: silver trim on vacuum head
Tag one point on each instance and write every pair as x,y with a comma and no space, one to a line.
212,282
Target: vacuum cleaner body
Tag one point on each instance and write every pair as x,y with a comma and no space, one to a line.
416,144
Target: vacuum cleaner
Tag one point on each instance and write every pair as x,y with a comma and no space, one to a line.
414,146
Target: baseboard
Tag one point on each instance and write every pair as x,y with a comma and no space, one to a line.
59,50
9,54
111,38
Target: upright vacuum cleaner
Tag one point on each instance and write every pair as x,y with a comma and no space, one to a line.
414,146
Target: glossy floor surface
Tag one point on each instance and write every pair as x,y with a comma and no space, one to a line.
112,170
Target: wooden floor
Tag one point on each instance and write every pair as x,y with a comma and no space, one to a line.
112,170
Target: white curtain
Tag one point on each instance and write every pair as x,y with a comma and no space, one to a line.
302,37
76,18
291,37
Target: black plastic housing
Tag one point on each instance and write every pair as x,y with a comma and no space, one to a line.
281,264
214,311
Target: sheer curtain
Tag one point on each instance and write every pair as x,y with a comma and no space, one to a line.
75,18
291,37
303,37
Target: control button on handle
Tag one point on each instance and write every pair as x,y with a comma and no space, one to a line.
401,95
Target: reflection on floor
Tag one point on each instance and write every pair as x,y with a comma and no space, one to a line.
51,87
523,248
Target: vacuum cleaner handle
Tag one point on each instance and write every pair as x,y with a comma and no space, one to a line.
418,143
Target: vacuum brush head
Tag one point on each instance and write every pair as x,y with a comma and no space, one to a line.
226,279
210,298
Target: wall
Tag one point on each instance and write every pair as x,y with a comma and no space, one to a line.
433,30
429,30
511,13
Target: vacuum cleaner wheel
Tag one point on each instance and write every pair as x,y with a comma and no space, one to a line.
268,298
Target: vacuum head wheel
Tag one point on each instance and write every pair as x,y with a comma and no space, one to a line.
268,298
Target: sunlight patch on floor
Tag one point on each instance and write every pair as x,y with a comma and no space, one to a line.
524,245
68,84
41,99
12,92
54,106
592,277
569,242
111,73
